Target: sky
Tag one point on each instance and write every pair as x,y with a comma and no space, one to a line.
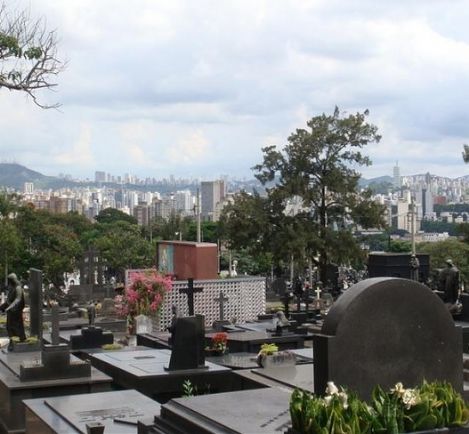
196,88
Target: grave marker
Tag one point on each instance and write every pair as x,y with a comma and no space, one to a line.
221,299
189,291
387,330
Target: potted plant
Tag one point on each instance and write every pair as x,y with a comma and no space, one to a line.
218,345
269,356
144,295
431,408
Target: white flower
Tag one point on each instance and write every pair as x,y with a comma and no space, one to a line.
410,398
344,398
398,390
331,388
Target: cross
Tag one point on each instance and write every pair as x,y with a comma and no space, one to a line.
285,299
190,294
318,291
55,339
221,300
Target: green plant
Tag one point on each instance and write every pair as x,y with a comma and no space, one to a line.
268,349
111,347
401,410
188,389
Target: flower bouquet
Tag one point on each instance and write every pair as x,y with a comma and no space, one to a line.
218,346
144,295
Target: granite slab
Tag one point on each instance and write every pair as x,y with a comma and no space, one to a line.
118,411
144,370
13,391
260,411
299,376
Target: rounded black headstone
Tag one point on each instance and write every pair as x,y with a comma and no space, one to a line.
386,330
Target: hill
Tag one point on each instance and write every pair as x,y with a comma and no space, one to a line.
14,175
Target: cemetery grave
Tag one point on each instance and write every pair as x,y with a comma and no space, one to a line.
118,412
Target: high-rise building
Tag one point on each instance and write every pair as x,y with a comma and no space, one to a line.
99,176
396,174
212,192
28,188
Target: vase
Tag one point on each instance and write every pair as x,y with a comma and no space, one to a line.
143,324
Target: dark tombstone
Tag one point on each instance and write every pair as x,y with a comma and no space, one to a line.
35,297
397,265
286,299
188,344
279,286
387,330
91,337
189,291
55,359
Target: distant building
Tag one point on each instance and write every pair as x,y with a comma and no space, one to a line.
396,174
212,193
99,176
28,188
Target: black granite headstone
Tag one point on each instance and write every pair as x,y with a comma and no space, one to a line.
188,344
387,330
35,300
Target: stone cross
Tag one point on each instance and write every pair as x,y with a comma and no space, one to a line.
189,291
91,314
35,296
318,291
221,299
55,339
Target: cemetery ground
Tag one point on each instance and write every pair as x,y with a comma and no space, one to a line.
84,378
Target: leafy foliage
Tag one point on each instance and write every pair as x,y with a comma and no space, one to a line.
432,405
316,172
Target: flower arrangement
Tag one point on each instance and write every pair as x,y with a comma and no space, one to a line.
144,294
219,341
430,406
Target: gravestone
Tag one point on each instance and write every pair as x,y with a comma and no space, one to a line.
221,322
189,291
188,344
387,330
35,299
260,411
55,359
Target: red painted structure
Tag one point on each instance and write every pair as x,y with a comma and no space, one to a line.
187,259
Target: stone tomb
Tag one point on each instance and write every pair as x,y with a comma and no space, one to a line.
387,330
117,411
145,371
259,411
13,390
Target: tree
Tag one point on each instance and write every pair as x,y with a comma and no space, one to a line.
28,54
465,154
440,251
122,246
317,166
112,215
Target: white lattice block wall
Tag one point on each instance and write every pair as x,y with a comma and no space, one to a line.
246,300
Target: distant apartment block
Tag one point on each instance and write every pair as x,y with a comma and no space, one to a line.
28,188
99,176
213,192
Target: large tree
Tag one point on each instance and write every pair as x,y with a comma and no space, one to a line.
28,54
465,154
313,203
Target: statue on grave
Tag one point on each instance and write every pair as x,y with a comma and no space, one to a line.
449,282
414,267
280,322
13,307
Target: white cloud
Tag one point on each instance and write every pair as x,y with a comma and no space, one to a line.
190,149
80,154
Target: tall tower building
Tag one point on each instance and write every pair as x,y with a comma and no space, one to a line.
99,176
212,193
396,174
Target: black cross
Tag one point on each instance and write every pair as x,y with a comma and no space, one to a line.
221,300
189,291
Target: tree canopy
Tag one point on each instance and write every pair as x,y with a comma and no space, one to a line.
465,153
28,54
313,203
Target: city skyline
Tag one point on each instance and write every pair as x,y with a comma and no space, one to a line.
198,88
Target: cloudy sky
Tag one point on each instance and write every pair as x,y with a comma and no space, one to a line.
198,87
